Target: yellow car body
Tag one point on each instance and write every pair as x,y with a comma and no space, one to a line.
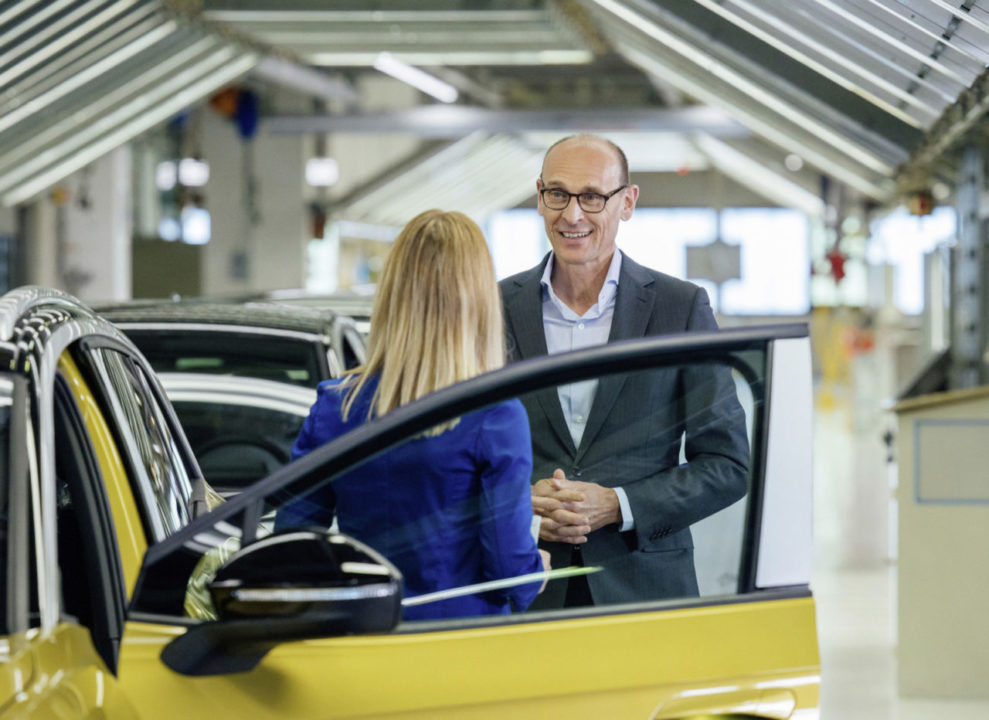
751,654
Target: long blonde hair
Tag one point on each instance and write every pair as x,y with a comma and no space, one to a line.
437,314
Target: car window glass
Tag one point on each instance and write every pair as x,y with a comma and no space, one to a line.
238,444
271,357
451,506
163,485
353,348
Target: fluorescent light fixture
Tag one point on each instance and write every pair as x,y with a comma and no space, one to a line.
169,229
166,175
322,171
193,172
415,77
457,57
195,225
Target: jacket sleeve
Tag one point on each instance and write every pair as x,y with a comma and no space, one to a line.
508,548
716,449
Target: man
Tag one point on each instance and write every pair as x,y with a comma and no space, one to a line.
606,477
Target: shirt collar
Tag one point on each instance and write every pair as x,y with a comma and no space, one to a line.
610,280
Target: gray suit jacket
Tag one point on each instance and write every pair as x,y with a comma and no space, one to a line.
632,438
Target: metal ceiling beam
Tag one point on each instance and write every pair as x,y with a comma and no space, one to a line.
774,29
123,124
448,121
716,45
477,175
420,36
957,121
660,43
756,174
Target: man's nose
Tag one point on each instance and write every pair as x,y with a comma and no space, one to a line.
572,213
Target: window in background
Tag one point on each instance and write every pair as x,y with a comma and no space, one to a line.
901,240
517,239
774,263
774,242
852,289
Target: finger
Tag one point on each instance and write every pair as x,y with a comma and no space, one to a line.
573,531
543,487
553,536
545,506
565,517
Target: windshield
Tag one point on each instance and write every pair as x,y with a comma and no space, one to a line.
267,356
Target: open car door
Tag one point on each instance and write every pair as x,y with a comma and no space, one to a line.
309,624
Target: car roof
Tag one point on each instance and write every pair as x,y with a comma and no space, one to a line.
247,314
32,309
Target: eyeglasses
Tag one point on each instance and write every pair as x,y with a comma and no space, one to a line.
590,202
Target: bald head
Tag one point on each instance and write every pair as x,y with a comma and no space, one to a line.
587,140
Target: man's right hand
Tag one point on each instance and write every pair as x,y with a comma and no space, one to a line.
555,503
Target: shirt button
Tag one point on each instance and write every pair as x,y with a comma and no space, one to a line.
580,326
579,418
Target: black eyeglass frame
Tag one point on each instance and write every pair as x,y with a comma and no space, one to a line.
571,196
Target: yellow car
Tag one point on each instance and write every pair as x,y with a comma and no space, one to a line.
114,564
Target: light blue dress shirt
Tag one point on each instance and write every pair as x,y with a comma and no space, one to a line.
566,330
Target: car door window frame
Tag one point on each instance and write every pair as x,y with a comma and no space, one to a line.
90,506
21,581
151,392
513,381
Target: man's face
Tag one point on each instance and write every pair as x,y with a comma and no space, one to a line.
581,238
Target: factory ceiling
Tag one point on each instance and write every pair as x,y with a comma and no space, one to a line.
873,95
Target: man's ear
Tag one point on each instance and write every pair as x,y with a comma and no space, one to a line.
539,200
628,203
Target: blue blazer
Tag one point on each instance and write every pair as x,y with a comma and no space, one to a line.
448,511
632,438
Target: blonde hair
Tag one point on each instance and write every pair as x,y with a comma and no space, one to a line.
437,314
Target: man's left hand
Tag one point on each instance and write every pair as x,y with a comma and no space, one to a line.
600,505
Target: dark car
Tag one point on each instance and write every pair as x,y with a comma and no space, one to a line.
298,345
240,431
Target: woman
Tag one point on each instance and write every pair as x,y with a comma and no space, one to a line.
452,506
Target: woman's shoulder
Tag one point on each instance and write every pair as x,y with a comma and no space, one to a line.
333,386
507,416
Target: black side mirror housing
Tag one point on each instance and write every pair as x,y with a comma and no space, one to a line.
292,585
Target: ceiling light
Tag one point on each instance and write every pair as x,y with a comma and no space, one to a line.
415,77
195,225
169,229
322,171
166,175
193,172
793,162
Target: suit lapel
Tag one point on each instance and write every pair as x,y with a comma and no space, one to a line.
633,308
524,311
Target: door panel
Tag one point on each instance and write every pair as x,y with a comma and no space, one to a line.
607,666
68,680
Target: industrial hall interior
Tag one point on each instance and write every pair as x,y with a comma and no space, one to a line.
820,168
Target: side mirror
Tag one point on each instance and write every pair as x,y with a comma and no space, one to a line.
294,585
